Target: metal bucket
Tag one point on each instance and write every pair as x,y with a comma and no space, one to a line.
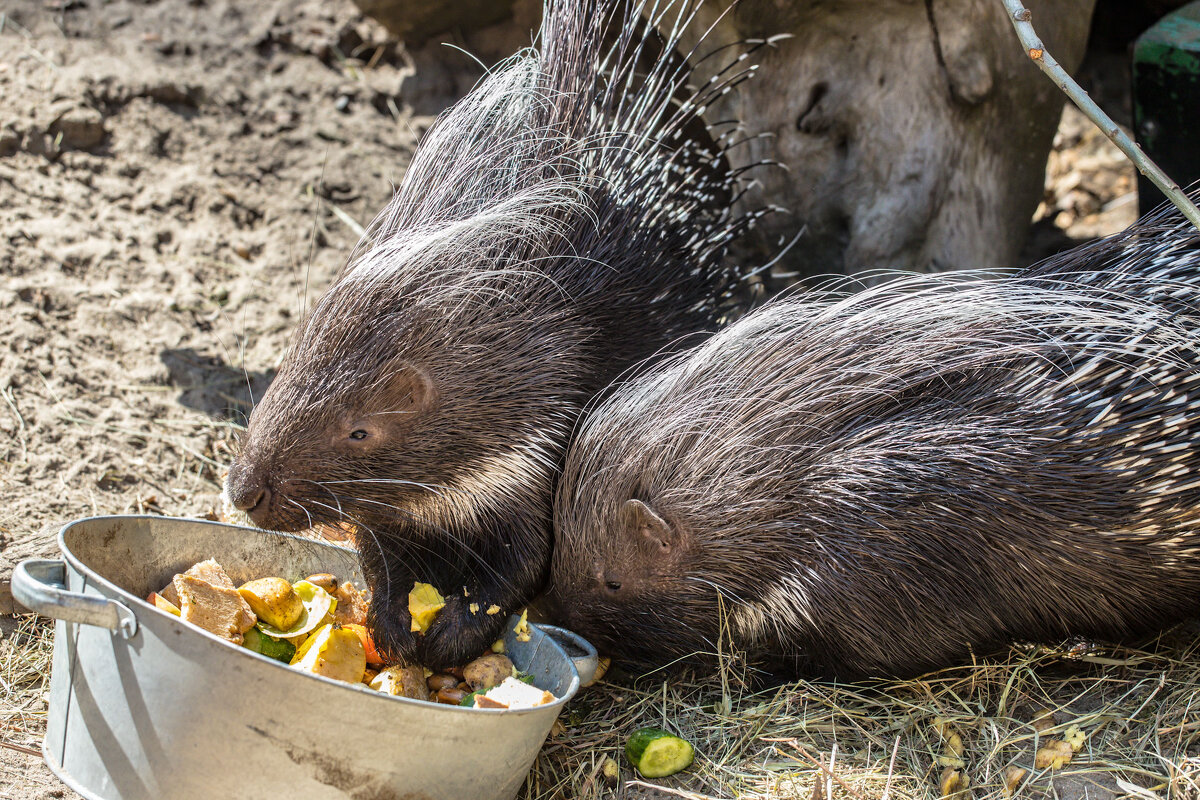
145,707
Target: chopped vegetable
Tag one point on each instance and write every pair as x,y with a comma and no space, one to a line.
274,601
450,696
1055,754
488,671
403,682
521,629
1012,777
424,603
656,753
324,580
278,649
954,783
162,603
602,665
373,656
318,611
441,680
333,652
611,771
1043,720
1075,737
351,605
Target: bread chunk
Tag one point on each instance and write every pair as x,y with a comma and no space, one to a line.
220,610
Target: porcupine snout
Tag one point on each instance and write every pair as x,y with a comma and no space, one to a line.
248,490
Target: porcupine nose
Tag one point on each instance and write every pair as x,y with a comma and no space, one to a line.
248,492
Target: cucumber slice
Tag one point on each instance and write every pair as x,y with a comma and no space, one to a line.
657,753
278,649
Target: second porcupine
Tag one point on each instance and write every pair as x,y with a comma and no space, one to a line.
563,221
884,482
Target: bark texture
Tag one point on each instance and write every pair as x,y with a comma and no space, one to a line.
914,132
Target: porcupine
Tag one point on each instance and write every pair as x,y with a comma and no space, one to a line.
880,483
566,219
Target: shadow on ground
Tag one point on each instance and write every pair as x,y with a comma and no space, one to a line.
212,386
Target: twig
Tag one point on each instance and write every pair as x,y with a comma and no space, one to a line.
29,751
668,790
1021,17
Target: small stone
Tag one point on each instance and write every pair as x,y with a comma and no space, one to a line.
79,128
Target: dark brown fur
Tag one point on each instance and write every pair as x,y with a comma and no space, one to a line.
879,484
549,233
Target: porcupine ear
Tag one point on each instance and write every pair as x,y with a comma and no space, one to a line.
413,381
648,529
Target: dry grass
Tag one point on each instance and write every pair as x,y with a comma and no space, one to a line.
1139,709
25,650
887,740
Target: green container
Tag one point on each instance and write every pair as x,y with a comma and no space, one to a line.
1166,99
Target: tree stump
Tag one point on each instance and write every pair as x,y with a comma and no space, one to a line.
914,132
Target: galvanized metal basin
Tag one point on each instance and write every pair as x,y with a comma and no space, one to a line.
145,707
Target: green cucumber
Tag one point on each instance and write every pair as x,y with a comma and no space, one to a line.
269,646
657,753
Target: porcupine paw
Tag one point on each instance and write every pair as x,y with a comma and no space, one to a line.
391,625
458,635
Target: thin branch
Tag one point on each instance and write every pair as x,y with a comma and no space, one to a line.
1021,17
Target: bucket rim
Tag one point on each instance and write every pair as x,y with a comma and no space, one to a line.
139,605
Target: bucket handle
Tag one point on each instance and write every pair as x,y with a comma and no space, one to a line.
586,664
40,585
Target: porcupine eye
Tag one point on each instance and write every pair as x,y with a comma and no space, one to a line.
358,435
612,585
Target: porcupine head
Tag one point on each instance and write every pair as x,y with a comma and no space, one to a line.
428,396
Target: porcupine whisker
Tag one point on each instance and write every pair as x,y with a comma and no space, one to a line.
462,548
298,505
359,525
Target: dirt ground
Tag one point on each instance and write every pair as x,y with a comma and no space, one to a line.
177,180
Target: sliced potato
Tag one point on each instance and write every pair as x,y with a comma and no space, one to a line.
318,605
1055,754
274,601
441,680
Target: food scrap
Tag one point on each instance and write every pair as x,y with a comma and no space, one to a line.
319,625
657,753
424,603
521,629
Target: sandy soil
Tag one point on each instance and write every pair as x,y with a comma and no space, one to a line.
176,180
